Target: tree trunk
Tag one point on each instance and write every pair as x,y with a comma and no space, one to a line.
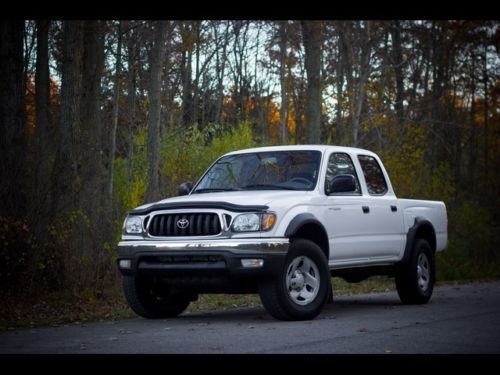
41,192
416,77
364,72
13,135
64,171
297,100
473,138
194,115
131,89
221,64
186,72
114,120
156,63
311,32
340,84
437,90
397,62
486,113
90,130
284,98
347,53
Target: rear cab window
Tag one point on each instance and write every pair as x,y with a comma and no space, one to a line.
374,177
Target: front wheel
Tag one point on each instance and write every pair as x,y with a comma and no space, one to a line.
415,279
303,287
151,299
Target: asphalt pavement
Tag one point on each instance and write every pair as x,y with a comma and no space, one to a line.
459,319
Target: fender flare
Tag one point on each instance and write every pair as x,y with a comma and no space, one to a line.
307,218
300,220
411,235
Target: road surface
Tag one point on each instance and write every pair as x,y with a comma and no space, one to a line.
458,319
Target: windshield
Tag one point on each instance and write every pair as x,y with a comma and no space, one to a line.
276,170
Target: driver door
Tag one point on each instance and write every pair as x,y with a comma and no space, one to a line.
345,221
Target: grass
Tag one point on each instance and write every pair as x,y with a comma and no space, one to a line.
55,309
84,307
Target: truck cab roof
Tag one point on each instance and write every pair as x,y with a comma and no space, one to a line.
321,148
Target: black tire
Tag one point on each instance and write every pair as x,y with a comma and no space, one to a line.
276,296
412,288
151,300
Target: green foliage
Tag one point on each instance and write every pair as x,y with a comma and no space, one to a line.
472,252
130,176
472,247
409,170
185,156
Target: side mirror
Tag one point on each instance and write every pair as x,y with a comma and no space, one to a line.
343,183
185,188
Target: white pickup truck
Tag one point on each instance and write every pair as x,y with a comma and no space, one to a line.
279,221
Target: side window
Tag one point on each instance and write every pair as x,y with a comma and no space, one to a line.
340,163
374,177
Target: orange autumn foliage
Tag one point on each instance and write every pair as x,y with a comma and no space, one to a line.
30,103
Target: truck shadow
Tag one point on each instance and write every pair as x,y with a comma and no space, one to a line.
341,306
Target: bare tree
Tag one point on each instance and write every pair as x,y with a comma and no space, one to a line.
64,170
12,119
340,70
196,83
220,67
397,63
486,110
156,62
364,72
41,193
357,49
90,163
114,120
311,32
240,78
282,32
187,46
132,56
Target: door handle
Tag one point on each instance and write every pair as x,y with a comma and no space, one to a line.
366,209
394,208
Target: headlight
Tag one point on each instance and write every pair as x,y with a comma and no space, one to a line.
133,224
253,222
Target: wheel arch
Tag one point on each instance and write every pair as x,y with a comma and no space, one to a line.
307,226
421,229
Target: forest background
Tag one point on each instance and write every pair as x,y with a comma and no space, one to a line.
98,117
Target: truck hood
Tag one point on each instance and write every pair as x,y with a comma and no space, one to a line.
247,197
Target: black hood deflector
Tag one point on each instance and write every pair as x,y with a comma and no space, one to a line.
181,205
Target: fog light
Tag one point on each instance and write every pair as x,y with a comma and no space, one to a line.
125,263
252,263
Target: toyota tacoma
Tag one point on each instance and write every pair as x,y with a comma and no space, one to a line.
280,221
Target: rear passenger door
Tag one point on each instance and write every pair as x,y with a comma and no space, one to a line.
384,231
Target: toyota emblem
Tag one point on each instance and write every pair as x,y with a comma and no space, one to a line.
183,223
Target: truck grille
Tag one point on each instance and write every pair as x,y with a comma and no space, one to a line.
192,224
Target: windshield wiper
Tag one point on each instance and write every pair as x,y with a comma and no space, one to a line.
214,190
268,187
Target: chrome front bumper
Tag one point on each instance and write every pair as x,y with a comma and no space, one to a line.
241,246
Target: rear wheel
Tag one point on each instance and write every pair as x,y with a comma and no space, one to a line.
303,287
415,279
151,299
